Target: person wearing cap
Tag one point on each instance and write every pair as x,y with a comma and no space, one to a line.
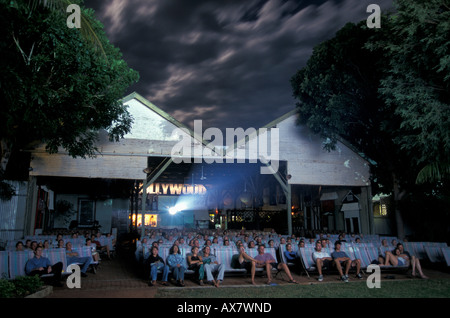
341,259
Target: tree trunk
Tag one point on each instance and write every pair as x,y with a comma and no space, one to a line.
398,195
6,153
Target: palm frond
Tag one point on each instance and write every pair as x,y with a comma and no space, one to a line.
87,31
433,172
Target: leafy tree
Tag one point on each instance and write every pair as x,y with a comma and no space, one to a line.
57,86
416,84
383,91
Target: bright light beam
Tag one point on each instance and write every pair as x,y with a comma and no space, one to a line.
177,208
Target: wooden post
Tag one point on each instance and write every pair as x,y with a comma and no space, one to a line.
288,194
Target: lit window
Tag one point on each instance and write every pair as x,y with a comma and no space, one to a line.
383,210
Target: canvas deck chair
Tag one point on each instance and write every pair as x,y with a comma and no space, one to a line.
224,256
434,252
306,258
86,251
4,266
446,254
417,249
17,261
56,255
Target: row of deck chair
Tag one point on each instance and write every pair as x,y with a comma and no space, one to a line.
365,254
79,241
369,254
12,263
224,255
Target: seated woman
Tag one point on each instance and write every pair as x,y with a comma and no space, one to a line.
195,263
175,262
396,259
415,263
291,256
156,263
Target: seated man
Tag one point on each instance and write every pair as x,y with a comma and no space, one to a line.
244,261
266,260
211,266
341,258
74,258
101,248
39,265
322,259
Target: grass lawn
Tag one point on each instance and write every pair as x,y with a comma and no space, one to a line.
431,288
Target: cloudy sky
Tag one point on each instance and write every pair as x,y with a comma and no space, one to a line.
226,62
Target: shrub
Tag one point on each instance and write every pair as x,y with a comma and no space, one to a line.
19,287
26,285
7,289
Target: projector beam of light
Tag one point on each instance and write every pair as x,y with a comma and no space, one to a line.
177,208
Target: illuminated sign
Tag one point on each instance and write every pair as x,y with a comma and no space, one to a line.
175,189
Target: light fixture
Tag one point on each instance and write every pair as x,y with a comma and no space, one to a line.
147,170
173,210
177,208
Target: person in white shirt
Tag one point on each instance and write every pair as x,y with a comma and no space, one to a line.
322,259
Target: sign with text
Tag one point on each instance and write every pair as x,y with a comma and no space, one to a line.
176,189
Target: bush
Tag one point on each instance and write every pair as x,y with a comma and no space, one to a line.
26,285
7,289
19,287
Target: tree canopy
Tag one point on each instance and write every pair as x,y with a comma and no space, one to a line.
56,87
416,82
386,92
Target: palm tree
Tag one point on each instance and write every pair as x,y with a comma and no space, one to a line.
433,172
86,29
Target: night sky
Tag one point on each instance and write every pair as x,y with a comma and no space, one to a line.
226,62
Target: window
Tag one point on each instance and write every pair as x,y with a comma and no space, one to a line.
380,209
86,212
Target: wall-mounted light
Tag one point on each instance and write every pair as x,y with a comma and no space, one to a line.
147,170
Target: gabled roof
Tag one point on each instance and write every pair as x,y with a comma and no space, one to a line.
163,114
275,122
280,119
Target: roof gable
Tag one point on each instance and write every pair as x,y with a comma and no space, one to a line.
151,122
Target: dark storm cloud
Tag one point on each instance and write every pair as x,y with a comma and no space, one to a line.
226,62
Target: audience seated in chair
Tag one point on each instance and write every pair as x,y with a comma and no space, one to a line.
39,265
156,263
74,258
415,262
176,264
322,259
266,260
244,261
212,266
341,258
195,263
